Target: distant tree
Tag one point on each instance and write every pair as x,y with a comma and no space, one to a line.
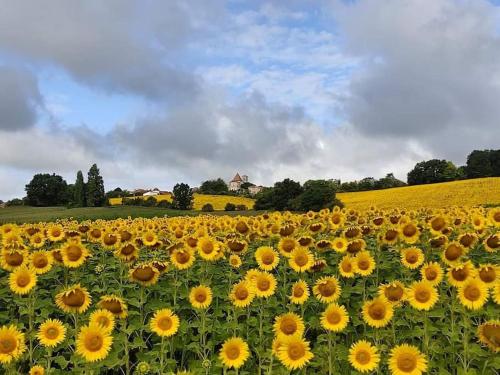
389,181
230,207
95,188
15,202
317,194
485,163
118,193
46,190
431,171
264,199
217,186
284,192
207,207
182,197
79,191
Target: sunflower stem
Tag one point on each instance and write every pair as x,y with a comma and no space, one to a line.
330,354
31,313
49,359
125,347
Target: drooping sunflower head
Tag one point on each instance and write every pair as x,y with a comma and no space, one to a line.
377,312
407,360
12,344
144,274
103,318
114,304
300,292
41,261
294,352
393,292
437,224
492,242
237,246
355,246
93,343
468,240
412,257
22,280
327,289
73,299
473,293
110,239
51,333
422,295
363,356
200,297
334,318
432,273
488,274
459,274
12,259
301,259
288,324
182,258
127,251
242,294
234,352
164,323
266,258
453,253
489,335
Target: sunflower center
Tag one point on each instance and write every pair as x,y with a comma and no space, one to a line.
453,252
376,311
144,274
347,266
125,236
363,357
103,321
75,298
182,257
438,224
466,240
487,274
391,235
333,317
407,362
207,247
301,260
95,233
493,242
93,342
23,280
363,264
113,306
288,326
268,258
236,246
422,295
56,232
298,291
233,352
165,323
263,284
110,239
242,227
73,252
430,274
200,297
327,289
472,293
14,259
7,344
52,333
40,261
492,333
460,274
393,293
128,249
409,230
296,351
411,257
288,246
241,293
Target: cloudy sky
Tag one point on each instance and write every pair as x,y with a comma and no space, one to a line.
158,92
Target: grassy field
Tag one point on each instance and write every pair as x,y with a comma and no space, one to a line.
38,214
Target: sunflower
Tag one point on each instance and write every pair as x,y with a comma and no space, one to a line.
288,324
114,304
412,257
74,299
364,264
390,236
495,293
294,352
489,334
363,356
347,266
473,294
339,244
144,274
41,261
459,274
149,238
432,273
235,261
393,292
182,258
377,312
51,333
242,294
301,259
409,232
287,245
93,343
300,292
437,224
468,240
407,360
266,258
327,289
264,285
488,274
234,352
355,246
12,344
164,323
334,318
492,243
453,253
422,295
208,248
200,297
103,318
37,370
22,280
74,254
110,240
11,259
336,220
55,232
37,240
237,246
127,252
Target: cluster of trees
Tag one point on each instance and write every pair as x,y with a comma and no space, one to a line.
219,187
291,195
46,189
370,183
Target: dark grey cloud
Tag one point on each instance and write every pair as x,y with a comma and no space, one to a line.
431,72
118,46
20,99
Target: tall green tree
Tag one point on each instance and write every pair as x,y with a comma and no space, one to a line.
431,171
217,186
79,191
183,197
46,190
95,188
317,194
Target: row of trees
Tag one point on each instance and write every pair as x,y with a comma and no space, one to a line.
291,195
370,183
46,189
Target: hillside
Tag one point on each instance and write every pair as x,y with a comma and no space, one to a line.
456,193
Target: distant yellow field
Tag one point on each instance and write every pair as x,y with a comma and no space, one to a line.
217,201
457,193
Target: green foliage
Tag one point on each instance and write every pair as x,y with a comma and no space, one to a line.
95,188
207,207
432,171
46,190
317,194
280,197
215,187
484,163
230,207
79,191
241,207
183,197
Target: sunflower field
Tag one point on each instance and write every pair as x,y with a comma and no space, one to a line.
335,292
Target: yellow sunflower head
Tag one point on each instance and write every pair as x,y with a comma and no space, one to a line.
327,289
103,318
114,304
393,292
235,261
242,294
301,259
93,343
287,245
266,258
74,254
364,264
73,299
300,292
182,258
289,324
432,273
407,360
234,352
363,356
347,267
334,318
11,343
164,323
412,257
459,274
22,280
453,253
489,335
488,274
41,261
51,333
473,294
294,352
208,248
377,312
144,274
37,370
200,297
422,295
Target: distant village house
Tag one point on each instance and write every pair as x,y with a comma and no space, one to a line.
236,184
